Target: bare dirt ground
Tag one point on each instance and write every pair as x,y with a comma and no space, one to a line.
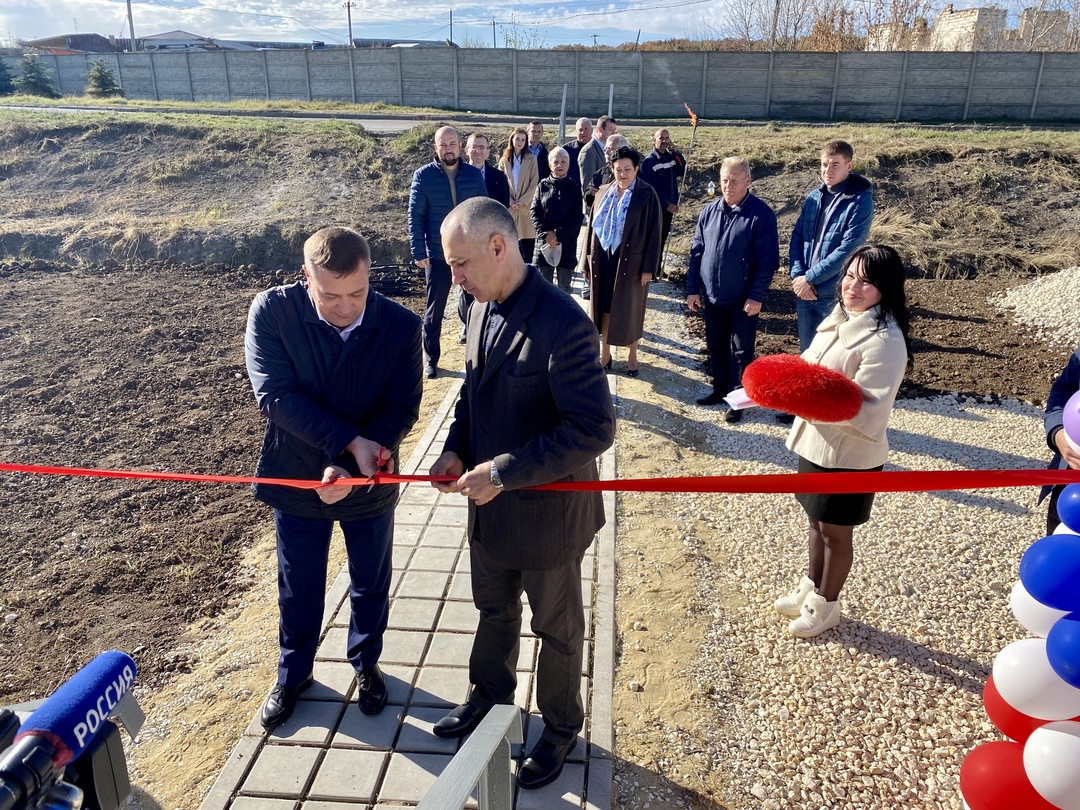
129,253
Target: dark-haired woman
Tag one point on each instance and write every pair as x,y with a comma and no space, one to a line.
523,175
622,254
866,339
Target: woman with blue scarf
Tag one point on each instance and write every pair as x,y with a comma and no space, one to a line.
622,254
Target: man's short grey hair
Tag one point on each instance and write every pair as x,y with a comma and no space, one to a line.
583,121
480,218
736,162
558,151
616,140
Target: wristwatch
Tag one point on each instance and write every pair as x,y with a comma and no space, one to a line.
496,481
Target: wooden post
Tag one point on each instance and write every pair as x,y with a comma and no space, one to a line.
971,83
307,71
704,81
903,82
352,71
640,72
153,77
190,81
1038,86
228,81
835,78
768,85
266,74
400,79
514,70
577,82
457,104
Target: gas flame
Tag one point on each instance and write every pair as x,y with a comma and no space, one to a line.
693,116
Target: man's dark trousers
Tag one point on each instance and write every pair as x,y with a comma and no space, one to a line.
437,275
302,548
665,230
561,627
730,335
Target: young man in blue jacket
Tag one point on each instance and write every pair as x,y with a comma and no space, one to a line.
835,219
733,257
335,368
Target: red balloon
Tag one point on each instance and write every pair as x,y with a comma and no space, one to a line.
1013,724
788,383
992,778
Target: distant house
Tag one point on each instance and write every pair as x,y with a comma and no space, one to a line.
76,44
969,29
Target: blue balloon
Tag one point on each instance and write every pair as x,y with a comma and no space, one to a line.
1063,648
1068,507
1050,571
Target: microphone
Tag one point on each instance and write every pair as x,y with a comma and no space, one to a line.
72,715
62,728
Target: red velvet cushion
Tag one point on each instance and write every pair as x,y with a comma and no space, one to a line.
786,382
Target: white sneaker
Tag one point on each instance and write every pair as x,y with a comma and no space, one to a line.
791,605
817,616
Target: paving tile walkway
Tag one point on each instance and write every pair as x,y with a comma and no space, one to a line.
329,756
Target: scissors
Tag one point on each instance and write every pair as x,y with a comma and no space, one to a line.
369,482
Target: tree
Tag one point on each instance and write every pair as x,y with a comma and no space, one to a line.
101,82
34,79
7,86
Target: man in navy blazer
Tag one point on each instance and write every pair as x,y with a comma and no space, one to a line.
335,368
733,257
534,408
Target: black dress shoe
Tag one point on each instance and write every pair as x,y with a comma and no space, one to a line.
732,416
279,704
461,720
715,398
544,763
431,371
372,693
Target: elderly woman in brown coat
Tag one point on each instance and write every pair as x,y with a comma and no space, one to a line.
622,254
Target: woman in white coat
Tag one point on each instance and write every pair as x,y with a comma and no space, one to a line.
523,174
866,339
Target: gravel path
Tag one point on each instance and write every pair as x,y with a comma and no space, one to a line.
880,712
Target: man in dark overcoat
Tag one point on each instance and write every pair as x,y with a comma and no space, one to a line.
534,408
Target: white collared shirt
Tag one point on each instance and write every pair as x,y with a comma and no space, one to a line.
348,330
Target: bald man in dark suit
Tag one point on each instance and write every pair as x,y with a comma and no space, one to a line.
534,408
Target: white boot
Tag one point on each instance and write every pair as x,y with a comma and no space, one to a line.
817,616
791,605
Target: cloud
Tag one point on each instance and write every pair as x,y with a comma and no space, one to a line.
557,21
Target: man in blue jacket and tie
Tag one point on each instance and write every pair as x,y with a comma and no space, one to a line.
335,368
733,257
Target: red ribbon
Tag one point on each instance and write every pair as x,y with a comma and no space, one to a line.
778,483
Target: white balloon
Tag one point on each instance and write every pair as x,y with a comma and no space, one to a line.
1063,529
1031,613
1026,681
1051,755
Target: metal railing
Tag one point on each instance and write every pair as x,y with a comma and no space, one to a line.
483,760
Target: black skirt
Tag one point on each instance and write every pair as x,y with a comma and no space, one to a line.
840,510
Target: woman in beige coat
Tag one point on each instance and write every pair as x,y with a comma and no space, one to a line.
519,166
865,338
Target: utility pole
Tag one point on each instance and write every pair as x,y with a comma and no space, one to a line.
131,27
451,25
348,10
494,44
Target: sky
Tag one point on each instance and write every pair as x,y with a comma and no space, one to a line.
538,24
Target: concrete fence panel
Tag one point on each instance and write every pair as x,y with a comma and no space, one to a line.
858,86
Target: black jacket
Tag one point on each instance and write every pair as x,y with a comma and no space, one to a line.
319,392
498,187
556,207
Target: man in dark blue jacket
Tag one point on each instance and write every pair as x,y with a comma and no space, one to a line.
662,169
733,257
835,219
1065,456
436,188
336,371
